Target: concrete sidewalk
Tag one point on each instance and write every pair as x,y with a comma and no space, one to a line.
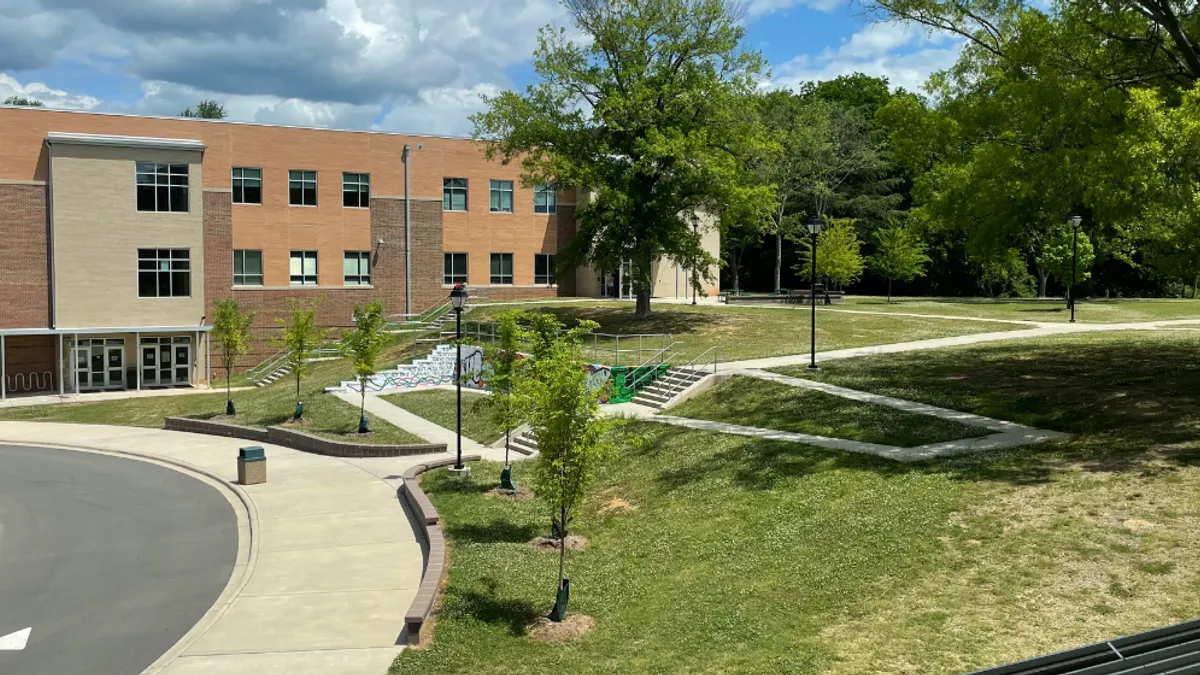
329,558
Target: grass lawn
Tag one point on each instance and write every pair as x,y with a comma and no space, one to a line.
750,332
440,407
259,407
720,554
770,405
1048,310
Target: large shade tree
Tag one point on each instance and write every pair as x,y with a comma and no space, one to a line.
647,114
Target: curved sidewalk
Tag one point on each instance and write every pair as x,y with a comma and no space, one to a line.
334,560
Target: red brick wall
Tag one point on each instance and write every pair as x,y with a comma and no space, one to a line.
25,272
24,354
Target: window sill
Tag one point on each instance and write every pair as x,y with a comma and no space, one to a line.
307,287
501,213
360,208
555,285
444,210
246,203
303,206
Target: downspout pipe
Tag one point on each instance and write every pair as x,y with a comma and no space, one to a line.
407,231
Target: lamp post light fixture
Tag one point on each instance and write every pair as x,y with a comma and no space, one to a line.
814,225
1075,222
696,231
458,301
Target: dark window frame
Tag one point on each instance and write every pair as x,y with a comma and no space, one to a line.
547,277
450,189
356,190
451,276
164,272
497,191
493,275
245,278
161,187
240,182
303,277
547,195
299,179
360,279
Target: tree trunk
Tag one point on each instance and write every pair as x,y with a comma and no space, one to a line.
362,410
228,377
778,258
1043,277
562,545
889,292
736,264
1195,283
506,433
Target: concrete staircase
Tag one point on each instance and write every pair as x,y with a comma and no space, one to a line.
437,368
523,442
274,376
668,387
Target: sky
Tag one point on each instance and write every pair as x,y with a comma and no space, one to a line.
415,66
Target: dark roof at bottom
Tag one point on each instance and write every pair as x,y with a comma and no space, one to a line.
1174,650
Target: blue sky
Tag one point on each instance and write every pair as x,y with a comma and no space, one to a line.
398,65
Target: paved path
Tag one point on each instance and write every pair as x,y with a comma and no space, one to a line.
328,560
21,400
414,424
109,561
1042,330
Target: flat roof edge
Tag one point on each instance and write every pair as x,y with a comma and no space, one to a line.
70,138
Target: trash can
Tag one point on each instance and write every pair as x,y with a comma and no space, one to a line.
252,465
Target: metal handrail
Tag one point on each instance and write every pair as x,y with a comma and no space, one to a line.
276,361
660,357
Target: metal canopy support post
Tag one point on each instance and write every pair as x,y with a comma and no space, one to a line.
195,378
137,357
3,371
61,390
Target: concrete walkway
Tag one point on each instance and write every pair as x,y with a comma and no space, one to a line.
328,559
21,400
419,426
1042,330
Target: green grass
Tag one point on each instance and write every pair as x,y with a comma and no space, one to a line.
259,407
440,407
739,555
770,405
747,332
1048,310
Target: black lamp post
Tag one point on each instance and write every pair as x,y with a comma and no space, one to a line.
458,300
1075,221
696,231
814,225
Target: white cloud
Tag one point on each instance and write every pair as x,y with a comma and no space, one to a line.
757,8
440,111
53,98
906,55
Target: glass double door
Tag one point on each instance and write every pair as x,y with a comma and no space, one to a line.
100,364
166,361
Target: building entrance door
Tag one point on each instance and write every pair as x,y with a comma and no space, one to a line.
100,364
166,361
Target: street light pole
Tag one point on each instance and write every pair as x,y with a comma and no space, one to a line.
458,298
814,229
1075,221
696,231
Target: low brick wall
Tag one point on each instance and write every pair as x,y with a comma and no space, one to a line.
298,440
213,428
435,566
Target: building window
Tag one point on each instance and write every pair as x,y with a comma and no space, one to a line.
162,187
304,268
502,196
356,190
164,273
454,194
545,198
302,188
247,185
502,268
454,268
247,268
356,268
543,269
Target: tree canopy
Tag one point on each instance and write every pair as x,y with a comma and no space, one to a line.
649,115
207,109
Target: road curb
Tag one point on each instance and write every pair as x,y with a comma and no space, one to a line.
247,551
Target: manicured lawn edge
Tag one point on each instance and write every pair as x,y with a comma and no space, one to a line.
435,562
298,440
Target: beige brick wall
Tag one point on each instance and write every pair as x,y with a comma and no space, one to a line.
98,230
